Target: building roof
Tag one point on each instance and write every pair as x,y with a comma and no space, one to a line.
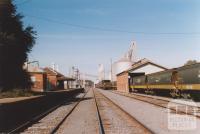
60,76
64,78
34,69
143,62
51,71
140,64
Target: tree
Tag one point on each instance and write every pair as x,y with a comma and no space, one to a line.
189,62
16,41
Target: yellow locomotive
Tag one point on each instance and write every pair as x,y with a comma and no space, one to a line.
178,82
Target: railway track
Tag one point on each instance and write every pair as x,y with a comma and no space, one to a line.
164,103
54,130
113,119
101,128
49,121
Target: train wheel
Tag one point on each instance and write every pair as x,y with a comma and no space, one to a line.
134,90
186,95
172,93
178,93
151,92
175,93
147,91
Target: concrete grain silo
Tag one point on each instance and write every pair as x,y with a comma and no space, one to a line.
125,62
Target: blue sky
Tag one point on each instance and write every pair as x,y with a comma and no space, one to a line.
60,41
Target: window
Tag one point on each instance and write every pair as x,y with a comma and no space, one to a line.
33,79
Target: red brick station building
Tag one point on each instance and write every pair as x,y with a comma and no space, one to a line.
47,79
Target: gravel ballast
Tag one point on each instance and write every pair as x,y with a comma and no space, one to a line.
83,120
155,118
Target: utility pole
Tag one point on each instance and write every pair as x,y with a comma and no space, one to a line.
76,73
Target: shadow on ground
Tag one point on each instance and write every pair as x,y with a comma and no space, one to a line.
15,114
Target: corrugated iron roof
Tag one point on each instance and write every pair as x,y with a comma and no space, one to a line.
141,63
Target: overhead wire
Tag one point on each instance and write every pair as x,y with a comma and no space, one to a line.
23,2
109,29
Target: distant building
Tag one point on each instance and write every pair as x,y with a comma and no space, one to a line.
141,67
56,80
45,79
51,78
38,78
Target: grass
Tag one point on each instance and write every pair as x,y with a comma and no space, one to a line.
16,93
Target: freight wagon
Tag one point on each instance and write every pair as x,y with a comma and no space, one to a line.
106,84
178,82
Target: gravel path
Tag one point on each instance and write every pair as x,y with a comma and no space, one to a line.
155,118
115,121
83,120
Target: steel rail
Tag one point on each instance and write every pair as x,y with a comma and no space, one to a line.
128,114
67,115
101,128
154,97
152,101
29,123
32,121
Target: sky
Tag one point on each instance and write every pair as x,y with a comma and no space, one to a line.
85,33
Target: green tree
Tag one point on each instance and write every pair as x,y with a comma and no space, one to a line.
16,41
189,62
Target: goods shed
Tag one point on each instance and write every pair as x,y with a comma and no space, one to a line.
141,67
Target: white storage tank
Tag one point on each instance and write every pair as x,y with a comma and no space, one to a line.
125,62
120,66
